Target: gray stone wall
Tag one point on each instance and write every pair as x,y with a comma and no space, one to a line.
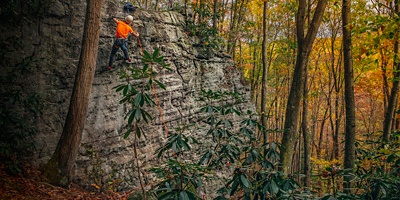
104,155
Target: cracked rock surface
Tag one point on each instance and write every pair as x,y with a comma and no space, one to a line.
104,153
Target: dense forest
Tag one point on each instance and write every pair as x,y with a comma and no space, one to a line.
324,78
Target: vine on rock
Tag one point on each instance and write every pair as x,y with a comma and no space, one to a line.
136,94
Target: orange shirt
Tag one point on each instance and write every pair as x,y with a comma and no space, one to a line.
123,29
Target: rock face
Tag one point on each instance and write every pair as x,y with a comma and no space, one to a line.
104,154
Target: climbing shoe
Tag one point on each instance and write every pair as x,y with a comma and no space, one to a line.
128,60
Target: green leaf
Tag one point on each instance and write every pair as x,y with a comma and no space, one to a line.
125,90
160,151
159,59
133,91
274,188
397,162
166,67
155,53
175,147
183,196
265,188
147,115
127,133
226,111
245,182
145,67
228,123
210,110
249,159
390,158
128,114
237,112
138,132
129,87
166,196
148,100
162,86
119,87
204,109
326,197
143,133
192,196
146,55
131,117
138,100
391,35
205,158
185,145
144,116
123,100
138,114
235,186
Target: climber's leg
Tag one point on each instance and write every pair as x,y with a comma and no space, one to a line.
113,51
124,48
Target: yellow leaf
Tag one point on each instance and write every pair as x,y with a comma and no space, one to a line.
95,186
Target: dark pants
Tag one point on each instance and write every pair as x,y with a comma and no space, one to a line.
118,43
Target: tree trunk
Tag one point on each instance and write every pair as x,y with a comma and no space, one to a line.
335,76
385,84
306,138
234,26
335,133
387,123
59,170
215,18
293,105
264,75
253,73
321,133
234,5
350,134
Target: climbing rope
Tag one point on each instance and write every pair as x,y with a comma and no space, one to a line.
155,94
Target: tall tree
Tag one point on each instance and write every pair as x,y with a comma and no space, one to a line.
350,126
59,170
264,72
335,94
235,24
297,86
253,71
215,14
387,124
306,137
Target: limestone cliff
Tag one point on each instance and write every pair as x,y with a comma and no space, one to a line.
55,41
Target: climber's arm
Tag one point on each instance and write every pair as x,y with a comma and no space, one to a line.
115,20
135,33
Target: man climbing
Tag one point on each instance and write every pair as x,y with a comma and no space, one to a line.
121,40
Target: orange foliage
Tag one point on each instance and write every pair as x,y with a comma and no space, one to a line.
246,66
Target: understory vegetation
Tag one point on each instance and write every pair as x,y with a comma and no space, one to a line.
232,157
321,74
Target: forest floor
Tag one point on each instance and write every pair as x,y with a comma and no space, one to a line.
30,184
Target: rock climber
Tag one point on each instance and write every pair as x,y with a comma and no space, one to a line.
121,40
